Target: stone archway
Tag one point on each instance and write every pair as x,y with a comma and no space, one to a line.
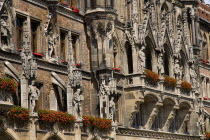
50,136
182,118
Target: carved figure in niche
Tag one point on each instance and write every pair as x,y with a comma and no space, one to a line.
191,53
112,85
77,101
34,94
33,68
201,125
51,44
177,69
160,64
141,61
104,89
193,77
112,109
5,30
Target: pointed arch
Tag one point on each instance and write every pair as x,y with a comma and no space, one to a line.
58,136
129,57
150,54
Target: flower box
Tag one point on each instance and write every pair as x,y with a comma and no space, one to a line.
49,116
101,124
8,84
20,50
186,86
64,62
74,9
169,81
38,55
18,114
207,135
116,69
204,61
78,65
152,76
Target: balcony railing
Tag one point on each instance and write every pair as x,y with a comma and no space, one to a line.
105,4
135,80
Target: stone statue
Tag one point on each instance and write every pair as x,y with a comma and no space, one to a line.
112,109
51,44
77,100
34,94
141,60
201,125
5,31
193,77
160,64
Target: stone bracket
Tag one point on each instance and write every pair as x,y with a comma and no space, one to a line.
58,81
10,70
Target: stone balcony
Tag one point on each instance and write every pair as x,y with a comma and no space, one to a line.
140,81
122,133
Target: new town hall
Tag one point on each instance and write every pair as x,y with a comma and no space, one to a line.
142,65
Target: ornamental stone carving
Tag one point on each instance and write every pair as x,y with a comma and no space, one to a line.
160,64
5,32
141,60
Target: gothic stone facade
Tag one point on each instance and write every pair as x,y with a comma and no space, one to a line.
92,61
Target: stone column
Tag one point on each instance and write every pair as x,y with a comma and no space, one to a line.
32,129
78,133
193,26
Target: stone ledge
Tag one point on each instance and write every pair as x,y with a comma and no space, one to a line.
155,134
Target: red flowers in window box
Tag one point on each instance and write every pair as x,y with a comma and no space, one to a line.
152,76
205,98
99,123
207,135
49,116
186,86
116,69
169,81
20,50
64,62
18,114
78,65
38,55
8,84
74,9
204,61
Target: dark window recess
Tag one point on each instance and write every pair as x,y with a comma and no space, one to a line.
148,58
19,32
62,45
34,36
166,64
75,44
129,58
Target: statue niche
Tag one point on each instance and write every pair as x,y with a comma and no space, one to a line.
5,32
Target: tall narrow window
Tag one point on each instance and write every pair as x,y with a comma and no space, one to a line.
75,44
129,58
19,32
63,45
34,36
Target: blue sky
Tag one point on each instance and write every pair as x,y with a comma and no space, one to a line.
207,1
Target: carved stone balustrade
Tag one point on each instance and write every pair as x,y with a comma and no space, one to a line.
153,134
139,80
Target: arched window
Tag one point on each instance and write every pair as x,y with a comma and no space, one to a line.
129,57
149,53
167,60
